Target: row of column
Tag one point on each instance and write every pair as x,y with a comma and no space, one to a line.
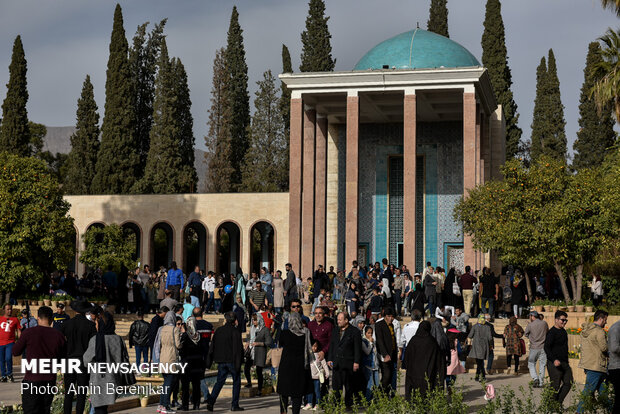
308,184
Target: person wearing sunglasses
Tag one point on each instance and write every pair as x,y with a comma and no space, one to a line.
556,349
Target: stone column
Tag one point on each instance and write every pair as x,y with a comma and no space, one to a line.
307,194
352,177
320,189
479,171
409,190
469,165
295,171
331,217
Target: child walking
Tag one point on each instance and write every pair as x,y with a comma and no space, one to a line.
320,374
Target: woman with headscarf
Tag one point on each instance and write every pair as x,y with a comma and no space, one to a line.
424,362
241,313
440,336
192,354
481,342
166,351
256,347
512,342
294,378
109,348
417,299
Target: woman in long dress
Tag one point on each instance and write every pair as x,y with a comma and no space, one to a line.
294,378
278,292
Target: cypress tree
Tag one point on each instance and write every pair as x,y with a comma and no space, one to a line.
555,145
186,125
316,52
143,57
438,17
118,160
80,165
495,59
539,119
596,130
548,133
220,171
266,168
14,131
238,98
163,173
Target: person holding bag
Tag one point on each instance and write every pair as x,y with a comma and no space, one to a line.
320,374
256,350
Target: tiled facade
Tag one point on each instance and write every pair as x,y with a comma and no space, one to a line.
439,188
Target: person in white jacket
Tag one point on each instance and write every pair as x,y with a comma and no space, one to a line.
597,291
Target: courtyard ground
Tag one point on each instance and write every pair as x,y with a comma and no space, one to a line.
474,395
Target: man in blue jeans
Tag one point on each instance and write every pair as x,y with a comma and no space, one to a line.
227,351
139,337
594,356
9,325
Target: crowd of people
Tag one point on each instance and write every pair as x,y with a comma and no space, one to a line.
352,343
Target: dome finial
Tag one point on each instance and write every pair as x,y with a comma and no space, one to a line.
418,25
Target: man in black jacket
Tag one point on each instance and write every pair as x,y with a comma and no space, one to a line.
227,350
387,348
344,357
78,332
556,348
139,337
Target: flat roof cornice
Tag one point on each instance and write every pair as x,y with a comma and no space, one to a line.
393,80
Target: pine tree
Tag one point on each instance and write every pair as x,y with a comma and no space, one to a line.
143,57
14,131
220,171
495,59
438,18
163,173
186,125
596,131
80,166
238,98
316,52
548,133
118,160
266,168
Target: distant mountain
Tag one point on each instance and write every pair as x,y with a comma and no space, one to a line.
58,140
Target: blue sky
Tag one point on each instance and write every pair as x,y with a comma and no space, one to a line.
66,39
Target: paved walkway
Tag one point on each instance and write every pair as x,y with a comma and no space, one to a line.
474,395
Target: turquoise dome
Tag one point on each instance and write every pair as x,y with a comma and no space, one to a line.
417,49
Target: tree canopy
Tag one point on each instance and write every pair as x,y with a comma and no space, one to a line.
36,234
542,216
108,246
